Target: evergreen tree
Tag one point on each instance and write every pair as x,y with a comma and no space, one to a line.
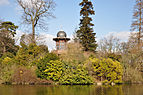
7,42
137,24
85,34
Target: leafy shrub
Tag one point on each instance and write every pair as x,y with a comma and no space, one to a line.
8,54
75,75
28,55
54,70
114,57
107,70
23,58
7,67
42,65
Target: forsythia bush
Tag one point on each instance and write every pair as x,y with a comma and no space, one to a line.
107,70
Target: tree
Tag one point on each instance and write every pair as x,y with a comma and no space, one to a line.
7,32
109,44
28,55
85,33
27,39
35,12
131,58
137,24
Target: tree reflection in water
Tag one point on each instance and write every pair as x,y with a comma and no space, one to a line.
71,90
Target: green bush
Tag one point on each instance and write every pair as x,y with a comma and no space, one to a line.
107,70
7,68
54,70
8,54
75,75
23,58
28,55
114,57
42,64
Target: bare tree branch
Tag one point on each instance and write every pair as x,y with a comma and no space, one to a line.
35,12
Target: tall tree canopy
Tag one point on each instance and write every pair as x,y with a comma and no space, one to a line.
137,24
7,32
35,12
85,34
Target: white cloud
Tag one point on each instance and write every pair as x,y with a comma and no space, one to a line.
31,3
18,36
48,40
4,2
123,35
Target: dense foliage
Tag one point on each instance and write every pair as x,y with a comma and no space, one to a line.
75,75
43,63
79,64
28,55
85,33
54,70
6,69
107,70
7,32
51,68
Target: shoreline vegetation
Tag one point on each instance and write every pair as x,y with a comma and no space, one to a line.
83,62
35,65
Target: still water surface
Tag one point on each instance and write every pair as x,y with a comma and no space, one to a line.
71,90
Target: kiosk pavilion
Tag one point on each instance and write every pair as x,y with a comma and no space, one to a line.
61,41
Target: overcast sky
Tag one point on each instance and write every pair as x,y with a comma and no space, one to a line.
112,17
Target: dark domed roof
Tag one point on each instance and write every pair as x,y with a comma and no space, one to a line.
61,34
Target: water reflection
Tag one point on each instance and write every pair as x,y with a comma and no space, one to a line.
71,90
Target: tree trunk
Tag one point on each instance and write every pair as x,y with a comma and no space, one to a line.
33,33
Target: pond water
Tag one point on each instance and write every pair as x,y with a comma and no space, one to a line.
71,90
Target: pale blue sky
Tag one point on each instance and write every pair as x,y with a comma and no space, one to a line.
111,16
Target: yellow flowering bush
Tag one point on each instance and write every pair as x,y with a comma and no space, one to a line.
107,70
54,70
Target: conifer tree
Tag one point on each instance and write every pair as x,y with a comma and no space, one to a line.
85,34
7,33
137,24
